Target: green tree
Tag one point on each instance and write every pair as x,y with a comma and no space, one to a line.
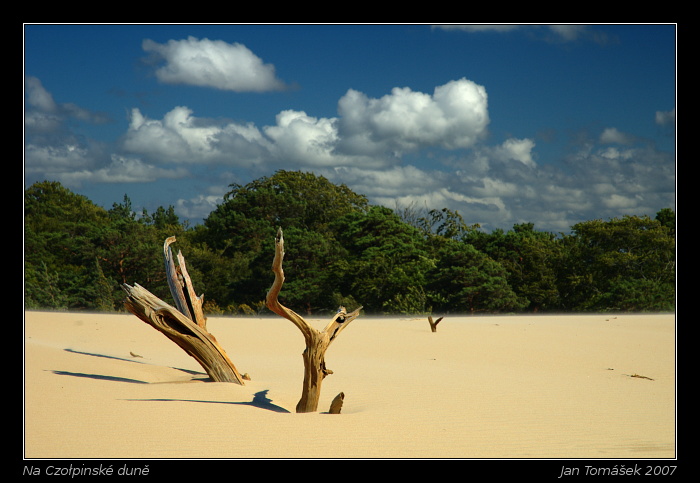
130,249
164,219
59,232
625,263
444,223
387,261
341,250
243,227
294,199
77,253
465,280
667,218
531,259
42,288
314,271
220,278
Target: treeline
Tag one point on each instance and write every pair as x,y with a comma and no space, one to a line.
341,250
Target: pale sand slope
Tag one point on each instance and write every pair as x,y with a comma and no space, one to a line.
480,387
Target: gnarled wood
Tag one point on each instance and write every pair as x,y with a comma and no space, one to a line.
317,342
184,325
181,286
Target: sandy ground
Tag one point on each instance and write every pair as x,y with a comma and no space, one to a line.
480,387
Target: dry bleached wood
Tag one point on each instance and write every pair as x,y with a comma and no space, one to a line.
337,404
181,286
317,342
184,325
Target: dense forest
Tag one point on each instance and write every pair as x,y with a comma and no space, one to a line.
341,250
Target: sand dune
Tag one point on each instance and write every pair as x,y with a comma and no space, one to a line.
569,386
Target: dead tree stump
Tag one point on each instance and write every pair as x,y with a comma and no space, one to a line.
433,325
317,342
337,404
184,325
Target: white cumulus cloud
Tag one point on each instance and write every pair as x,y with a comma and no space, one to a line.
516,150
299,137
213,63
454,116
369,133
179,137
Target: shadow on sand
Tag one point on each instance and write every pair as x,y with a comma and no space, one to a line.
188,371
260,399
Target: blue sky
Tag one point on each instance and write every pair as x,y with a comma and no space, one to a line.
549,124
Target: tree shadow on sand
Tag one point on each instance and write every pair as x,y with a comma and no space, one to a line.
260,399
99,377
188,371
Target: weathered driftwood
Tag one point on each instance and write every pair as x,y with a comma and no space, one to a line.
337,404
181,286
184,325
433,325
317,342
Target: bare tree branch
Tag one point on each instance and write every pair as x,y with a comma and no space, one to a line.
433,325
317,342
184,325
190,337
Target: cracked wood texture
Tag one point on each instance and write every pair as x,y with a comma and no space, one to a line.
184,325
317,342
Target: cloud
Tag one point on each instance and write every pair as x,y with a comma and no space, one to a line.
51,148
300,138
370,133
666,118
121,170
178,138
612,135
44,115
515,150
568,32
37,97
56,159
199,207
54,151
390,183
511,154
455,116
499,186
376,146
212,63
554,32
